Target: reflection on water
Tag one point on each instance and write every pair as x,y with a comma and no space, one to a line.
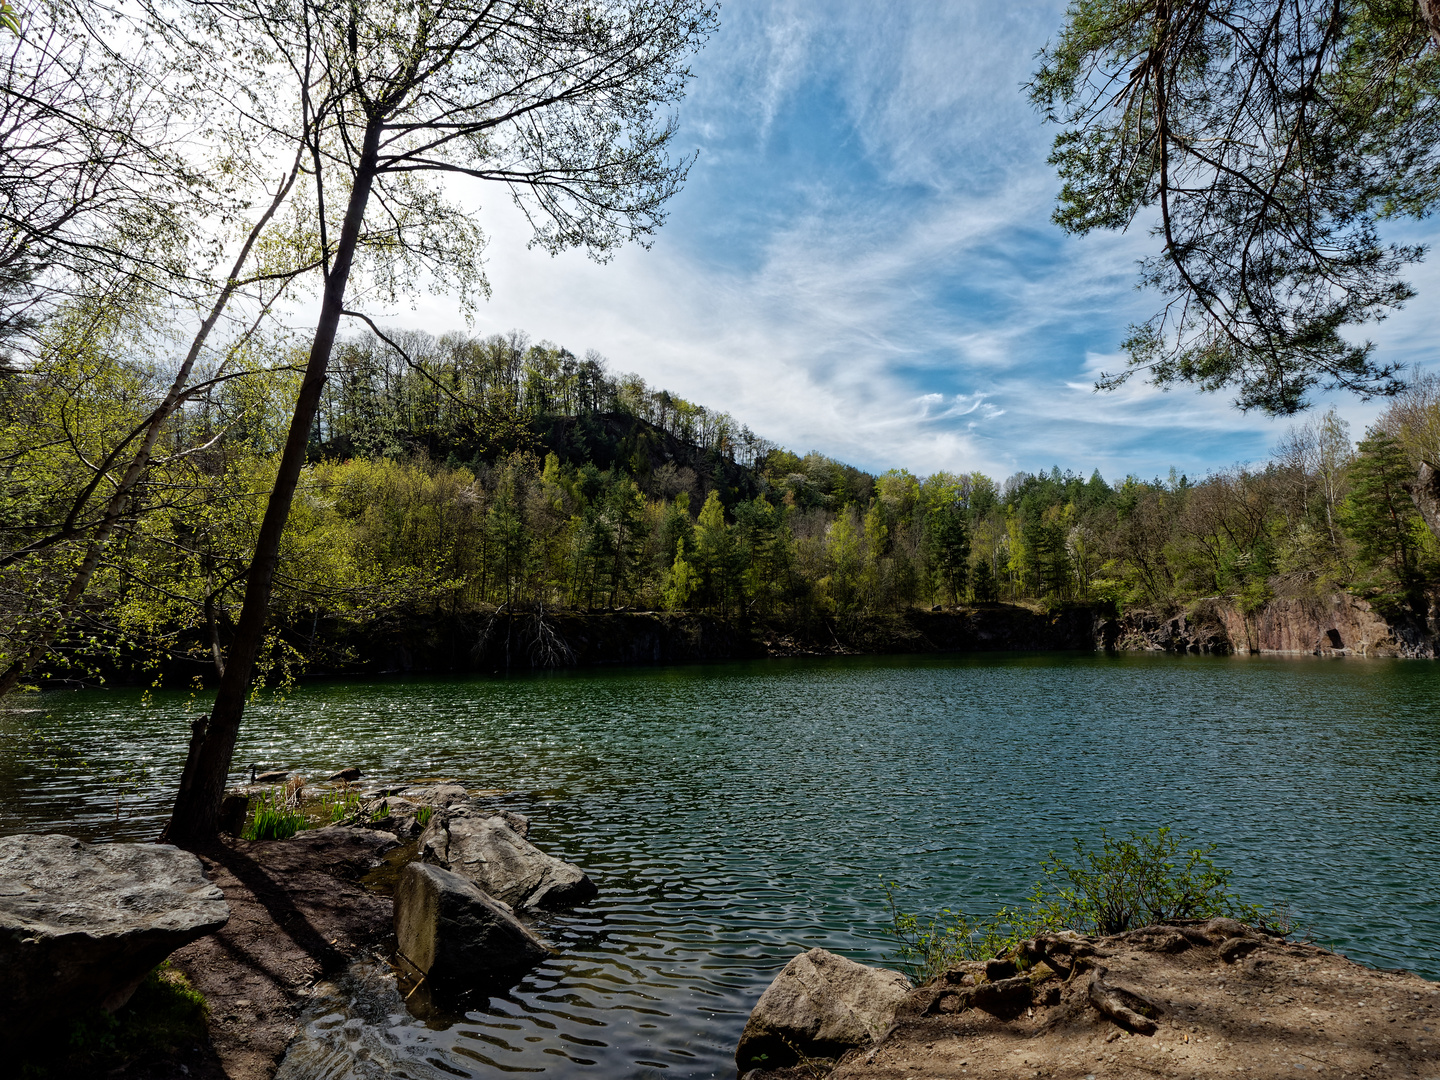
734,814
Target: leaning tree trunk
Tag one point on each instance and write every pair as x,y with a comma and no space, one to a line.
196,816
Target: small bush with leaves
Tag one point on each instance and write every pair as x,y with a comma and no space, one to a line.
424,814
1138,880
931,945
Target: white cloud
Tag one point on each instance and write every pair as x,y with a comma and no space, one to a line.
911,307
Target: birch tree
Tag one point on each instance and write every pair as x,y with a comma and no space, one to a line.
563,103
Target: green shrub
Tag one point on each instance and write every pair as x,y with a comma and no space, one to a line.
928,946
1138,880
424,814
273,819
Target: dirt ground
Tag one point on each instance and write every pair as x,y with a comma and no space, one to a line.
297,913
1222,1005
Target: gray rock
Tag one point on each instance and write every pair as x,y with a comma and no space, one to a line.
486,849
448,930
822,1005
82,924
440,796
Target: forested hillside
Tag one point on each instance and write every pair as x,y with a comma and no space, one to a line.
454,474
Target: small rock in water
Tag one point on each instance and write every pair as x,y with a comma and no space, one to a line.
348,775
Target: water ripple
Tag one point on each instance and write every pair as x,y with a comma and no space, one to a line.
735,814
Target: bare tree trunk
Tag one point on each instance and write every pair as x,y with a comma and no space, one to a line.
196,816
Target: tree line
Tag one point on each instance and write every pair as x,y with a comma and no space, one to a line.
456,475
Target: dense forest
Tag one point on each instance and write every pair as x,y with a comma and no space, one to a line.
457,474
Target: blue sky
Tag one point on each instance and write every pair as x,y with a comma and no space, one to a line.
862,262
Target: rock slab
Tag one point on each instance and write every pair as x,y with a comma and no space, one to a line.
820,1005
82,924
448,930
487,849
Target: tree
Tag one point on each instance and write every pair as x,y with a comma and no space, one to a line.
1380,516
100,210
949,547
1270,140
559,101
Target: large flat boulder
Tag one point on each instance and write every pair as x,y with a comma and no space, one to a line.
487,849
820,1005
448,930
82,924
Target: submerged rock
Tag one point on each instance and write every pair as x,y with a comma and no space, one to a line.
487,849
448,930
820,1005
82,924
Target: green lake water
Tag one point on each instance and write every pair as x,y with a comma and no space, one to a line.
734,814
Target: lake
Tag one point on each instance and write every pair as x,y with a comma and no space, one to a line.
734,814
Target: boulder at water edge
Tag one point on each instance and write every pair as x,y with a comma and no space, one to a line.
82,924
455,935
821,1005
489,851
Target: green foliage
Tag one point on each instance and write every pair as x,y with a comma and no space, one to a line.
929,945
424,814
1138,880
273,818
1265,144
656,504
1379,515
334,806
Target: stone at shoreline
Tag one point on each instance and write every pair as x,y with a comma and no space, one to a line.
347,775
820,1005
489,851
82,924
440,796
455,935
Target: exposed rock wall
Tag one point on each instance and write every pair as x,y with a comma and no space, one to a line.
1337,625
1146,631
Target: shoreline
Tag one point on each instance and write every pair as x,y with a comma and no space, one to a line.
1341,625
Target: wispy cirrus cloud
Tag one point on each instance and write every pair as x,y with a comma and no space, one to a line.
862,261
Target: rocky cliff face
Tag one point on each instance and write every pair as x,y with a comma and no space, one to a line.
1145,631
1337,625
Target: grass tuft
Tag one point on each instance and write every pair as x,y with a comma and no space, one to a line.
273,819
